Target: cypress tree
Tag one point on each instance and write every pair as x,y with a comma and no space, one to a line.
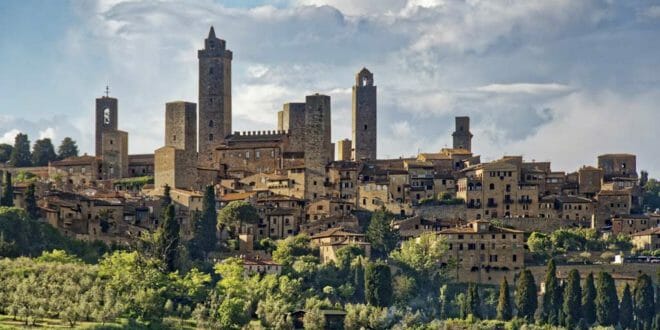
205,228
31,202
167,198
504,302
607,302
626,309
358,279
526,298
7,198
169,245
472,301
589,300
378,284
644,308
444,301
20,154
552,296
572,296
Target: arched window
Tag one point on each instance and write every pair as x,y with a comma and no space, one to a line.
106,116
492,186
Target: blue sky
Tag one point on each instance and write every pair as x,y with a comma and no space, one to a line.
553,80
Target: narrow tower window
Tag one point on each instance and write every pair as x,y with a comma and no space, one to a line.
365,127
210,123
210,137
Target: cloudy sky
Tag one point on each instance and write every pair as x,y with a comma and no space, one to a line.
558,80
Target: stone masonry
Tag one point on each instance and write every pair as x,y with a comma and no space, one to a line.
318,146
364,117
214,96
462,136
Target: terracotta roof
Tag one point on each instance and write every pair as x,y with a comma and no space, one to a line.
651,231
337,231
72,161
236,196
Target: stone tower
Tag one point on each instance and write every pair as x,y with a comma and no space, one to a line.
318,146
181,125
462,135
292,120
364,117
176,163
214,96
106,120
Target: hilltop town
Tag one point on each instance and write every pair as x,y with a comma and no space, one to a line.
494,218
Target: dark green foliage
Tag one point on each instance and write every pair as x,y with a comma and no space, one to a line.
589,300
43,152
651,195
525,297
167,198
381,235
572,295
552,296
22,236
472,301
205,227
67,148
504,312
378,284
644,308
5,152
169,239
31,202
237,213
357,269
626,309
7,198
20,154
607,302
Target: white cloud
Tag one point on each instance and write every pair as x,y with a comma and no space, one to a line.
49,132
9,136
526,88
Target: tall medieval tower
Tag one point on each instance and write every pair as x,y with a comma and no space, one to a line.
318,144
106,119
364,117
462,135
214,96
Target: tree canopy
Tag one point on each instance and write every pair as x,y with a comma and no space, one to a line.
43,152
68,148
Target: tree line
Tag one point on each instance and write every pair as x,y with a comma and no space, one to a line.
43,151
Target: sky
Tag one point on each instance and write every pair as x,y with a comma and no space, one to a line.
560,80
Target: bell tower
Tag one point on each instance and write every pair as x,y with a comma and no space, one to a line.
364,117
106,118
214,96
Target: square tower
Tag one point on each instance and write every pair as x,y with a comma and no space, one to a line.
462,136
214,96
344,149
181,125
292,120
364,117
115,155
318,146
106,120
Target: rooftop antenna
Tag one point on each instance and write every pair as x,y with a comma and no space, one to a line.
107,91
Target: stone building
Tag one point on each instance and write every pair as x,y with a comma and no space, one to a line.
462,136
292,121
176,162
344,149
214,96
634,223
76,171
333,239
365,117
589,181
618,165
647,240
483,253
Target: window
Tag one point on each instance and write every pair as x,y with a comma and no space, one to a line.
460,236
211,121
492,186
472,246
210,137
365,127
450,246
173,137
515,258
483,246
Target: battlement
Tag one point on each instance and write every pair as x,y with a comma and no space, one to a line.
261,133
